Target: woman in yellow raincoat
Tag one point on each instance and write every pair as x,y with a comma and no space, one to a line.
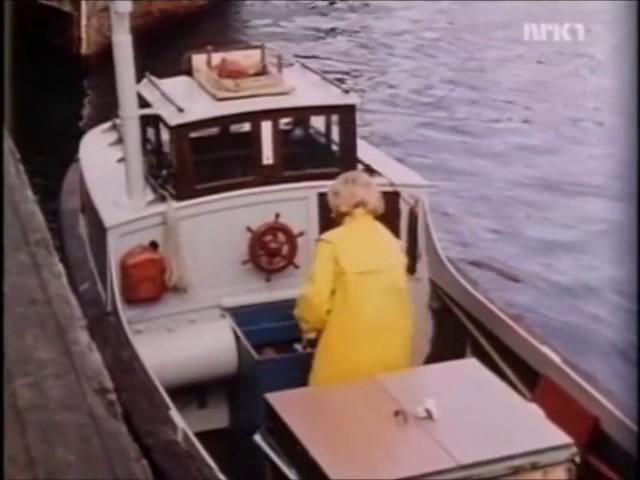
356,294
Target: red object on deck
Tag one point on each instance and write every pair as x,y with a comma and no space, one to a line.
229,68
578,422
565,411
142,273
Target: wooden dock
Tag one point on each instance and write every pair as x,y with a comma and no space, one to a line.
83,26
62,417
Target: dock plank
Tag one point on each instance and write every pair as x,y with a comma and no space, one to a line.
17,458
63,417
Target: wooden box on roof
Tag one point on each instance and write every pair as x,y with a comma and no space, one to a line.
263,75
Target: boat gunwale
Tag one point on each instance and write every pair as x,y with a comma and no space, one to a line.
532,349
84,284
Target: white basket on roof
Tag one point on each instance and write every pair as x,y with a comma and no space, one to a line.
238,73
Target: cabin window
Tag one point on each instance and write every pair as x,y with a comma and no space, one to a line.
310,142
156,150
155,140
250,150
223,153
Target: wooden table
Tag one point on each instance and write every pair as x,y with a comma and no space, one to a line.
482,426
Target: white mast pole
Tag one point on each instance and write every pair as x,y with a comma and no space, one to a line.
125,71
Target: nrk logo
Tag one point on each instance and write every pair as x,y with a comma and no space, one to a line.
554,32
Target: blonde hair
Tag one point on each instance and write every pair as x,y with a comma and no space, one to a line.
352,190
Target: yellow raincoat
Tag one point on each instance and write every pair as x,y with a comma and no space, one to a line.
356,296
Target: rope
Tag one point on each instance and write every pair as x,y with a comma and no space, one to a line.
175,277
487,346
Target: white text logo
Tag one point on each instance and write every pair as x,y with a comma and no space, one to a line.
553,32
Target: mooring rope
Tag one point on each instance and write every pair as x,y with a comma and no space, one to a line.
175,276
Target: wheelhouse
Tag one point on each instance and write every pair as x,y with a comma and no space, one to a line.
220,145
249,150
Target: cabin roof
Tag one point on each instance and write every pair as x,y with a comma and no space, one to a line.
310,90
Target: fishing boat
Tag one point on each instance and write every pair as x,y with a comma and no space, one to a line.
188,224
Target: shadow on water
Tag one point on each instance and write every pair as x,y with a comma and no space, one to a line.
530,141
45,104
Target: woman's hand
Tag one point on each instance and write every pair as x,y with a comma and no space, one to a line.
309,341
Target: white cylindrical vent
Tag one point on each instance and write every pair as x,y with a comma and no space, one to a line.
125,71
191,354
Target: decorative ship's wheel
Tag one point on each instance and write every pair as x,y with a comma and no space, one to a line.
273,247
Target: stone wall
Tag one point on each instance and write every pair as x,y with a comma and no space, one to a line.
94,24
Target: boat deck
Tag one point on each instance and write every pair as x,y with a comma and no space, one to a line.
62,416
